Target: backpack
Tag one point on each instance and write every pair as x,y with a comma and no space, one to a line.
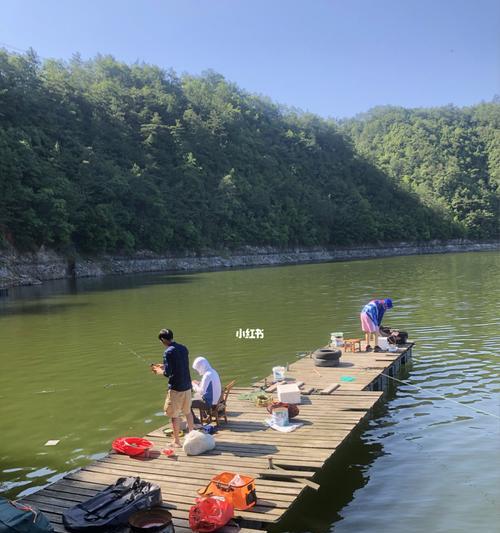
112,506
20,518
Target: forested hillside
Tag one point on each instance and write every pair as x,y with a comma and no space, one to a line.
101,156
450,157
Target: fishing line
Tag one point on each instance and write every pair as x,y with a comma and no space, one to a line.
480,411
107,385
427,391
133,352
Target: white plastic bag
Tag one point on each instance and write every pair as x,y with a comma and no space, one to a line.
237,481
198,442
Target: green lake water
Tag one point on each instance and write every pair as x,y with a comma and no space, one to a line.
425,463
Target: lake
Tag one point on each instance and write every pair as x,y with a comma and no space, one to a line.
74,367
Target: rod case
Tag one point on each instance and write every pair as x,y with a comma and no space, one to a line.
112,506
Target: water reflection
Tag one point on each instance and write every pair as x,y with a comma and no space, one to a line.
343,474
426,462
52,289
37,308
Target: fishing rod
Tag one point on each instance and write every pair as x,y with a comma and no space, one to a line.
133,352
107,385
139,356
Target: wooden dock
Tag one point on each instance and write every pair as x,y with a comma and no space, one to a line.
246,445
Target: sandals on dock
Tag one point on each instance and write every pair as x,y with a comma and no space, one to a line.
377,349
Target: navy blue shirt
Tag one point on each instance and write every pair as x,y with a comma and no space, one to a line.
176,363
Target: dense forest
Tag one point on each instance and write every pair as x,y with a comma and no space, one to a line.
450,157
100,156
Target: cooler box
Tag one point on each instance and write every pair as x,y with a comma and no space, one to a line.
288,393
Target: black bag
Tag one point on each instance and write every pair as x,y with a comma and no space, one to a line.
112,506
394,336
385,330
397,337
21,518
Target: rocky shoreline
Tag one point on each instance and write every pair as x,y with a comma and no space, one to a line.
32,269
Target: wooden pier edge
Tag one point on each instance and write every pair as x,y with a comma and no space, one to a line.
283,464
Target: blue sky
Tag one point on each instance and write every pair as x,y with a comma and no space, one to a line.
335,58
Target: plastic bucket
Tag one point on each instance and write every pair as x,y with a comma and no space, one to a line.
337,338
383,343
279,373
280,416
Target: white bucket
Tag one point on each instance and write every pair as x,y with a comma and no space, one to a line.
337,339
279,373
383,343
280,416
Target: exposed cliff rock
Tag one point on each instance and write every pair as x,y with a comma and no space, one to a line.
34,268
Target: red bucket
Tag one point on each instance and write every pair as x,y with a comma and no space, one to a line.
131,445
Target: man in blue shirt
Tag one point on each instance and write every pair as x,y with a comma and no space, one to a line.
175,367
371,320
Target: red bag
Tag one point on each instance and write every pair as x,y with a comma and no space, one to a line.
210,513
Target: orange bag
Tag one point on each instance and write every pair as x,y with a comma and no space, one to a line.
238,489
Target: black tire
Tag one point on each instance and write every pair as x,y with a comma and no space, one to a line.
326,354
326,362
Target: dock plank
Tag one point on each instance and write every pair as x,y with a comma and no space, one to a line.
329,415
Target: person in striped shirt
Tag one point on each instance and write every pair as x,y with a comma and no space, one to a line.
371,321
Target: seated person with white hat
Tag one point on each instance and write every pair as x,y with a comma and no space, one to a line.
208,391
